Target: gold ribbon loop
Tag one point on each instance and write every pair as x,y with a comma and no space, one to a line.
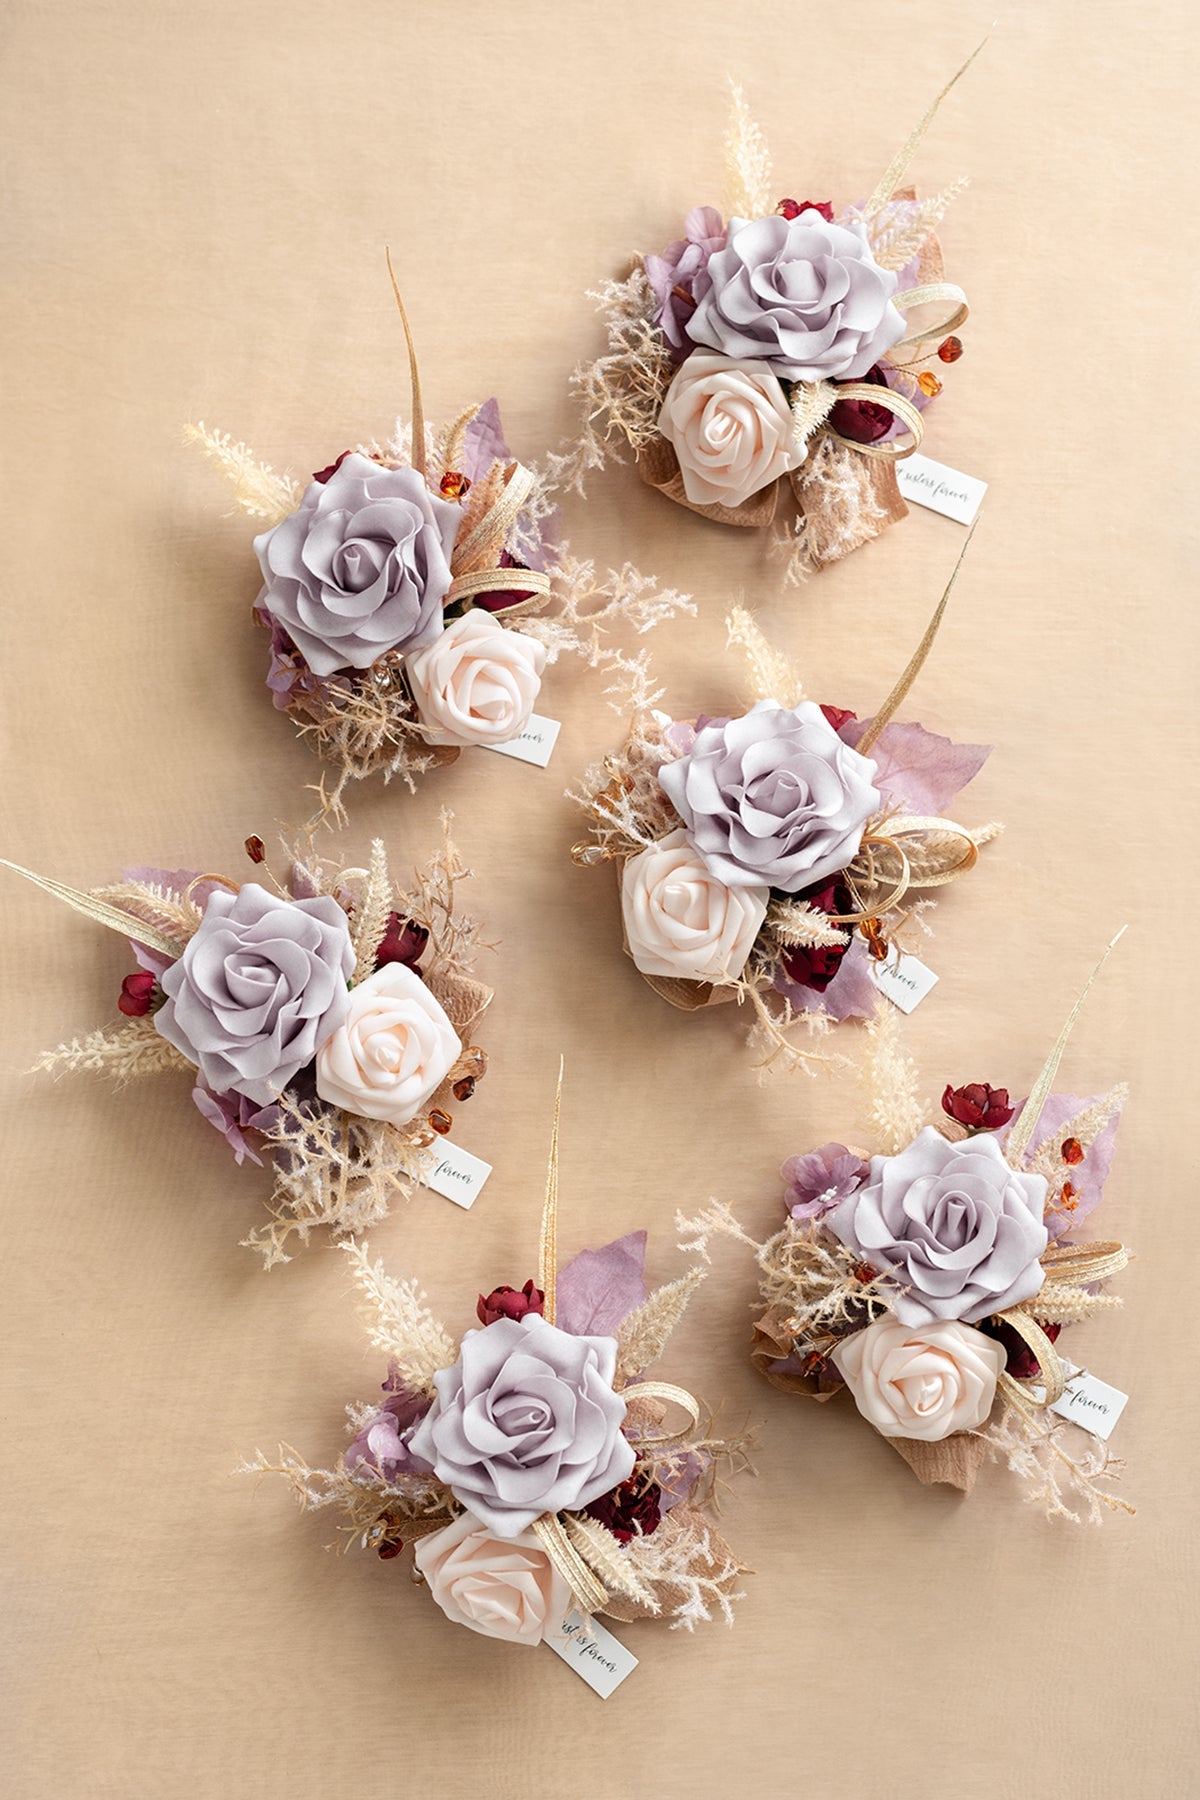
946,292
591,1597
489,535
898,405
1053,1376
669,1394
1082,1264
911,826
534,582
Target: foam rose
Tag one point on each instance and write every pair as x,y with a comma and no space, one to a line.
774,798
731,428
526,1422
259,988
959,1229
392,1051
502,1588
361,567
805,295
681,920
477,684
921,1381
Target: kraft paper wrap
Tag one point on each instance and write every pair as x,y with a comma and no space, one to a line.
201,195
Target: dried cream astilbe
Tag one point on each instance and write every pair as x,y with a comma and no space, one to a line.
1066,1486
621,393
376,1511
399,1322
747,163
899,231
257,488
128,1051
690,1569
892,1084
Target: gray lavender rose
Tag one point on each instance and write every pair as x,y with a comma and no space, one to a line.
260,986
526,1422
361,567
804,295
959,1230
774,798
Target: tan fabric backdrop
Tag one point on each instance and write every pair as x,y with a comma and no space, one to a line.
200,195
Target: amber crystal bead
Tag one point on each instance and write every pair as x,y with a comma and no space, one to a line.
928,383
1068,1196
454,485
440,1121
256,850
950,349
462,1090
478,1060
422,1137
1072,1152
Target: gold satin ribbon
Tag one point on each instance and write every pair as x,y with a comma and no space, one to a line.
669,1394
590,1593
1053,1376
475,560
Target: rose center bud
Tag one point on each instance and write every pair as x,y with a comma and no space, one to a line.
685,902
357,564
518,1415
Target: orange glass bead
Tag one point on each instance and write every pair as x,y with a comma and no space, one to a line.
462,1090
950,349
454,486
1072,1152
864,1272
928,383
479,1061
440,1121
1069,1195
256,850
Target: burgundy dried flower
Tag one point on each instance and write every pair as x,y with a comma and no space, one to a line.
510,1303
402,942
1022,1364
978,1106
838,716
812,967
862,421
791,209
137,994
322,475
634,1509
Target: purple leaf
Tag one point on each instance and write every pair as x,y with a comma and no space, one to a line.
851,994
917,769
483,442
599,1288
1086,1177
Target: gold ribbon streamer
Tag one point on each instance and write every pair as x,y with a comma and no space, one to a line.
1020,1136
669,1394
100,911
418,411
548,1240
589,1593
899,693
896,170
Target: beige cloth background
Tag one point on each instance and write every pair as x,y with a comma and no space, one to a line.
200,197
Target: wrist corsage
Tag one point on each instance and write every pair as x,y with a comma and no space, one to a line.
414,592
764,370
774,857
938,1279
532,1468
327,1022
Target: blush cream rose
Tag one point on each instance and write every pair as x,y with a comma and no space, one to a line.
392,1051
921,1381
502,1589
681,920
477,683
731,429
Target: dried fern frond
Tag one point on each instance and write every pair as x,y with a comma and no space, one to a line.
690,1568
897,232
400,1323
131,1050
373,912
747,163
257,488
608,1559
838,510
821,1282
891,1080
168,914
1066,1486
620,393
812,403
373,1508
646,1332
455,938
795,924
772,675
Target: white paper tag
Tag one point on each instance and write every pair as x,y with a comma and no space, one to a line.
457,1175
534,744
904,979
1090,1402
595,1654
941,489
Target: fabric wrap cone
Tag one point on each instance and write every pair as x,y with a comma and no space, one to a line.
955,1461
658,466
